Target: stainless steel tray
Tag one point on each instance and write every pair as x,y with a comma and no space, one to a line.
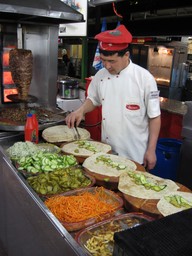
5,127
57,117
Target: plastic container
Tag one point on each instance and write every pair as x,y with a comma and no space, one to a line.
106,229
168,158
62,186
30,129
106,196
36,124
48,147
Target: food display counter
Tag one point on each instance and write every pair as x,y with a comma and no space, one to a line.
27,227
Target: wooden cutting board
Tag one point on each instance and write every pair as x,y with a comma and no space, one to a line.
147,206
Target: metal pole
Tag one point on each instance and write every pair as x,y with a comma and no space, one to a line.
84,59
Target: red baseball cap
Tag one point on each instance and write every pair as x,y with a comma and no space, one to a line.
114,40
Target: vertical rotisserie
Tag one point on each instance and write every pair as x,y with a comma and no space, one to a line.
21,65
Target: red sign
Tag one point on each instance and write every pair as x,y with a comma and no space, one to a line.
132,106
142,40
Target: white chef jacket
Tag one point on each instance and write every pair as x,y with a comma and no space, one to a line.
128,100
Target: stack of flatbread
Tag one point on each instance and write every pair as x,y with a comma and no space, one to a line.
61,133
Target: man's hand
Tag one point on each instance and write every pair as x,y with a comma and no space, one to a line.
150,159
74,118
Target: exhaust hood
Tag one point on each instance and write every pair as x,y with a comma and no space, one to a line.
41,11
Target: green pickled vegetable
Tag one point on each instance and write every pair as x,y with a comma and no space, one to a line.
59,181
141,179
86,145
178,201
107,161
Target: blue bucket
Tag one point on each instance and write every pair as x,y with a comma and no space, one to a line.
168,158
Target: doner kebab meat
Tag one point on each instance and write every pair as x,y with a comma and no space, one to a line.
21,64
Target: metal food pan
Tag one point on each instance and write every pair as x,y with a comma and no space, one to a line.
56,117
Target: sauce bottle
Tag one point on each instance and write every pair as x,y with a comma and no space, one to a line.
36,126
29,129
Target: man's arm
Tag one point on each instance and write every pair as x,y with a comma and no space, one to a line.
150,154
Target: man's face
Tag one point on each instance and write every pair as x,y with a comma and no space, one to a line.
114,64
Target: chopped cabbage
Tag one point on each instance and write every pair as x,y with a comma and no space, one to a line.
20,149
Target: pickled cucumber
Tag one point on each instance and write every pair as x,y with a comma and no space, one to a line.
59,181
141,179
178,201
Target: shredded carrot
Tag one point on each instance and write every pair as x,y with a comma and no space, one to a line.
82,206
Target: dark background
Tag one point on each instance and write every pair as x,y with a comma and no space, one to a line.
144,17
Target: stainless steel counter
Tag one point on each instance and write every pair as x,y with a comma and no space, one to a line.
27,226
173,106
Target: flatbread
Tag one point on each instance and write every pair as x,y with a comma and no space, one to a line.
61,133
129,187
100,167
85,148
166,208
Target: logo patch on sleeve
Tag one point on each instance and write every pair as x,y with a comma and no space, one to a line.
154,95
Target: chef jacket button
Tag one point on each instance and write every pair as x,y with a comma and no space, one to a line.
102,99
107,138
101,80
108,78
117,76
104,118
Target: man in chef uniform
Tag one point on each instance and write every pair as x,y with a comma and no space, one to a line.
129,97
